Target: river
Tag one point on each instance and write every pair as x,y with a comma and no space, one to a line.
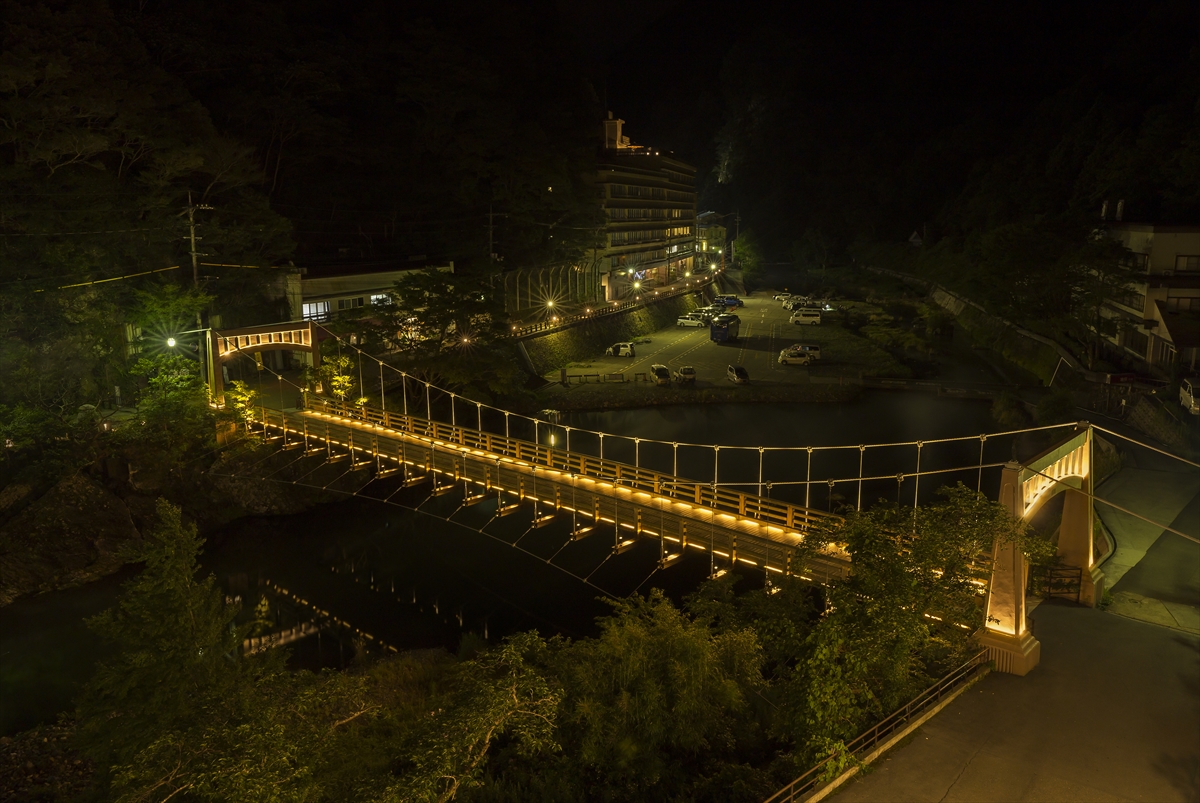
411,581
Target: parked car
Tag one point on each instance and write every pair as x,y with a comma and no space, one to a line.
1189,394
811,349
661,375
691,319
737,375
781,296
620,350
686,375
806,316
796,302
789,357
731,301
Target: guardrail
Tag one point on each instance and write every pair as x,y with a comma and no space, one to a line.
798,790
603,309
723,500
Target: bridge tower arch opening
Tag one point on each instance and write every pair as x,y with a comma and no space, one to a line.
226,344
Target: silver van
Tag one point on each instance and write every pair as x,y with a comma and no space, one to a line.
806,316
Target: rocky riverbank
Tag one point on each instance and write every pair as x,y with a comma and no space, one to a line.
43,764
84,526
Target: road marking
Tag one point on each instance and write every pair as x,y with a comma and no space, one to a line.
742,350
633,365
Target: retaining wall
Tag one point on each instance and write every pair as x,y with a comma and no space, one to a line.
589,340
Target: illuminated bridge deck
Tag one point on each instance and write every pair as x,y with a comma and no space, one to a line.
517,477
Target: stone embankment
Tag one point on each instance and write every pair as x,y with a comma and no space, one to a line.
76,532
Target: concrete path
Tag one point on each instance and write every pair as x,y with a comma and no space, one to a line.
1111,714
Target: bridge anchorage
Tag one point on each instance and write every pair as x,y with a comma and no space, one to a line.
480,479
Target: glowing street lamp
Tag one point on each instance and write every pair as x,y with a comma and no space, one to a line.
171,342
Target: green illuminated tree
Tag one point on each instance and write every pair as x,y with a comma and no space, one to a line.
336,373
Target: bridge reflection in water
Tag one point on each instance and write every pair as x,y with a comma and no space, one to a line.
514,477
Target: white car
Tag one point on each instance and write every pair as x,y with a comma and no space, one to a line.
791,357
690,320
661,374
811,349
781,296
737,375
620,350
686,375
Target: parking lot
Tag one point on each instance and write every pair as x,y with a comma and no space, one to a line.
765,331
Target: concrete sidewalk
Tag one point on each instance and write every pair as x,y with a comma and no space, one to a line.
1111,714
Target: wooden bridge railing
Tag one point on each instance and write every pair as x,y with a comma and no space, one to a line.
706,495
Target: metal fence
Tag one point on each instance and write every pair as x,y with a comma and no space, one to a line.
862,746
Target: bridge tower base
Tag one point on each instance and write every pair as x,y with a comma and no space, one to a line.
1014,655
1005,635
1075,544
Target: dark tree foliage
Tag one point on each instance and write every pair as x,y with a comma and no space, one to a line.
389,132
998,145
101,150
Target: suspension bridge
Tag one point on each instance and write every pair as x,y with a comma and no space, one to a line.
749,507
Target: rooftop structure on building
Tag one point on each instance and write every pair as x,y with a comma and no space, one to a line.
649,201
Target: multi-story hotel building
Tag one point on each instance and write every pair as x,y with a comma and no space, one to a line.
649,200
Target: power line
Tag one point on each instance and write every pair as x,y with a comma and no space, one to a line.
66,233
102,281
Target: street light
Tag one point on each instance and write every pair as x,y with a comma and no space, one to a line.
171,342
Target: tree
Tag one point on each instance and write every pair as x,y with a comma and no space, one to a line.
336,376
451,329
241,399
173,642
1101,273
174,414
178,711
904,616
655,689
502,694
749,254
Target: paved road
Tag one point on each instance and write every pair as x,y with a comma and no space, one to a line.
1111,714
1170,571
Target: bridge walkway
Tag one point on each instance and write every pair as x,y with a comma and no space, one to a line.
504,472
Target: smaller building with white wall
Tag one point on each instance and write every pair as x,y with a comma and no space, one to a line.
319,293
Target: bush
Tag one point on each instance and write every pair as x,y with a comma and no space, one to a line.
1008,411
1056,407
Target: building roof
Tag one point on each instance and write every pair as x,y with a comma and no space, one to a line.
333,270
1182,327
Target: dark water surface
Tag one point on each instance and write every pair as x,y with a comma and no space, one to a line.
413,581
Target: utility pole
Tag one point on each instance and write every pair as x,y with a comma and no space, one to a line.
191,213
